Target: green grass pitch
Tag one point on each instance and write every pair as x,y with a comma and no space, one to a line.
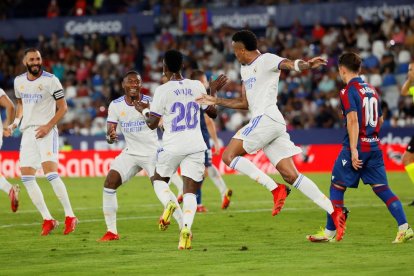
243,240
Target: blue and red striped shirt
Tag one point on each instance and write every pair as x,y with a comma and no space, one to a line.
362,97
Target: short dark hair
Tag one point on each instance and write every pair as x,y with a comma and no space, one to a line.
351,61
131,72
31,49
173,60
248,38
196,74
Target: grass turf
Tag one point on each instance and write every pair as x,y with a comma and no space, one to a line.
243,240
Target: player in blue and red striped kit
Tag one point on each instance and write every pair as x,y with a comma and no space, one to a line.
361,156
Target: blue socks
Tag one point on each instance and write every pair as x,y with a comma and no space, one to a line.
392,202
198,196
336,195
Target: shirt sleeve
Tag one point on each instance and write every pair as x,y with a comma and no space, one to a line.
2,93
201,90
272,62
112,114
56,89
348,99
158,104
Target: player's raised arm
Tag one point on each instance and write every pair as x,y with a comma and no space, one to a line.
235,103
300,65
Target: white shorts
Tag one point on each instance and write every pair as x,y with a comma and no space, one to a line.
128,165
264,133
33,152
192,165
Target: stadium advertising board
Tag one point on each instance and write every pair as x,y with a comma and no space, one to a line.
308,14
102,24
90,163
92,155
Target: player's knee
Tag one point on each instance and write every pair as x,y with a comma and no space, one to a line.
290,177
113,180
228,156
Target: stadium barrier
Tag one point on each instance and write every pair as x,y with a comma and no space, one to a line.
89,163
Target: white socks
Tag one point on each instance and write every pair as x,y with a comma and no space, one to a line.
110,207
214,174
189,209
36,195
5,185
164,194
178,182
243,165
61,193
309,189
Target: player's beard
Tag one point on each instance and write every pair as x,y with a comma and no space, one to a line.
32,71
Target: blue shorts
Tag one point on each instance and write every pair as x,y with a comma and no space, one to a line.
207,158
372,171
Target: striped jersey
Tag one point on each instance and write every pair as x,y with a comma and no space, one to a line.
38,98
139,138
361,97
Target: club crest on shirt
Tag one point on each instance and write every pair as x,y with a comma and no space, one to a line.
21,88
123,114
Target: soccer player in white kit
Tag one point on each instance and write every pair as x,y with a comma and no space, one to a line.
40,106
183,144
11,190
139,153
267,128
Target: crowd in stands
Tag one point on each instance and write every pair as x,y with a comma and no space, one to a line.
91,67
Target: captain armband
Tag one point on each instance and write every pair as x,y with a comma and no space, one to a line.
58,94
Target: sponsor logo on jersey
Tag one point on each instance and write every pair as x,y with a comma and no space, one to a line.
344,162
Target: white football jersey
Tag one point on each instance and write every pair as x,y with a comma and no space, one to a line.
38,98
139,138
175,102
261,79
2,93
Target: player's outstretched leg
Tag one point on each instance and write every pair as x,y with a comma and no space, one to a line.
279,192
336,220
394,205
12,191
233,157
60,190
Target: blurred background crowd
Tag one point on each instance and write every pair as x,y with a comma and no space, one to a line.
91,66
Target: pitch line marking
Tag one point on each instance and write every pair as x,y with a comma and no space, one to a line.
208,213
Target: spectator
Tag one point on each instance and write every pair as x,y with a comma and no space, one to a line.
53,9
